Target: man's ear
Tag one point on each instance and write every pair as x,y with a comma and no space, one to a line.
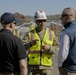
11,25
68,18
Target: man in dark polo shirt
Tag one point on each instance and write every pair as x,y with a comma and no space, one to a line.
12,51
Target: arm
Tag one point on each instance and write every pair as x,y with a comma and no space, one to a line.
22,55
29,43
23,66
55,47
64,48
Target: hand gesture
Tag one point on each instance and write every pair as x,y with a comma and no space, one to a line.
33,42
46,47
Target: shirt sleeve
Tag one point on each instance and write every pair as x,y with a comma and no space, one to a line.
21,50
64,48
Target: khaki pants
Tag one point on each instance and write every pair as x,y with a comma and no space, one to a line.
34,70
62,71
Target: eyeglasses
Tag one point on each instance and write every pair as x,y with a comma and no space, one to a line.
63,15
41,20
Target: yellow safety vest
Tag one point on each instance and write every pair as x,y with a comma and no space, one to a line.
35,56
32,27
16,32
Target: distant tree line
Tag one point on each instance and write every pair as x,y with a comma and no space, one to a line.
30,18
26,18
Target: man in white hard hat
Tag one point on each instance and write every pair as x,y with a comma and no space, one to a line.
39,42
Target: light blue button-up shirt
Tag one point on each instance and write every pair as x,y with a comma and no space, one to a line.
64,48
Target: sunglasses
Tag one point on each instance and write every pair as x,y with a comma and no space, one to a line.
63,15
41,20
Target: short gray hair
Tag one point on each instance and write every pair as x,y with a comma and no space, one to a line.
69,11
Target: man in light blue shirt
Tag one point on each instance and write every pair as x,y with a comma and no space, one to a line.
67,51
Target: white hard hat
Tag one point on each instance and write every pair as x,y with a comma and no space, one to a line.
31,22
40,15
53,23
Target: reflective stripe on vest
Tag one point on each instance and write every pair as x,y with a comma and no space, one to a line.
34,58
